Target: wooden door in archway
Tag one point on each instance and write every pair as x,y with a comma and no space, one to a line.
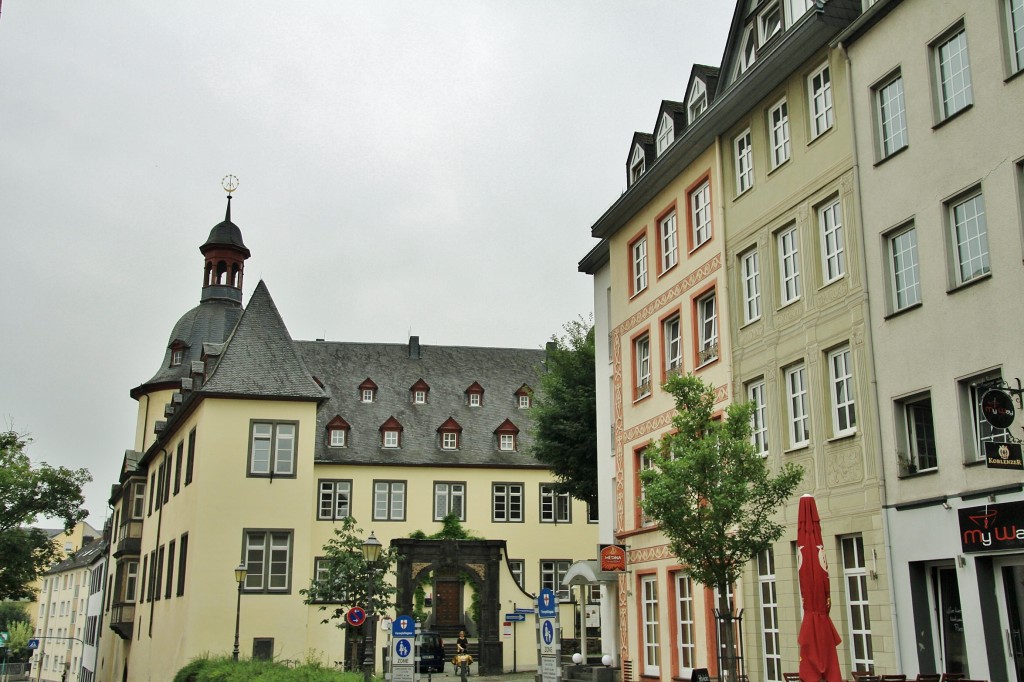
447,603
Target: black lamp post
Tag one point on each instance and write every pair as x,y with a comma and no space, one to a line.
240,579
371,552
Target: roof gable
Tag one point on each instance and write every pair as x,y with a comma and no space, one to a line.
259,358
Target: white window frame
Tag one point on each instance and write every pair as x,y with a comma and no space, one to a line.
1015,34
449,498
268,560
474,400
764,30
524,401
367,395
789,265
668,234
707,329
272,448
507,502
637,164
390,438
673,344
891,112
855,584
769,602
954,91
750,271
650,628
686,646
642,363
757,394
517,567
389,500
833,251
552,573
666,133
841,391
449,440
968,231
796,9
778,126
819,90
507,442
799,427
638,250
338,438
744,157
748,49
697,103
904,268
920,445
419,397
700,214
554,507
334,501
130,590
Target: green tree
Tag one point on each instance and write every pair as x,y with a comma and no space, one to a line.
12,612
20,632
565,413
344,577
27,493
712,494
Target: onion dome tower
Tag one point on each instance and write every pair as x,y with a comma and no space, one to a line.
220,304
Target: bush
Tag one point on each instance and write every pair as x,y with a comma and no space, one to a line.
225,669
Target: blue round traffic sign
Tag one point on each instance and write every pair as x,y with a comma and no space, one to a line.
403,648
356,616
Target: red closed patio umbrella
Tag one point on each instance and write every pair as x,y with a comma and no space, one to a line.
818,636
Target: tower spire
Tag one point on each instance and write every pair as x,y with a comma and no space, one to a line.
225,254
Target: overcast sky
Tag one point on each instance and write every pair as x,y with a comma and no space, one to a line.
425,167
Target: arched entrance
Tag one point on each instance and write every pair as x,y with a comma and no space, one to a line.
479,560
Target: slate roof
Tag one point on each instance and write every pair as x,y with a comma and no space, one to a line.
210,321
449,371
83,557
259,359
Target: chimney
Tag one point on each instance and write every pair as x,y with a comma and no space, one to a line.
414,347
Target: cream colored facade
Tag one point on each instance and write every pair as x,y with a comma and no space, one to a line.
776,140
939,330
803,341
192,503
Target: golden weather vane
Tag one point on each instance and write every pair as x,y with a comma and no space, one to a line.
229,183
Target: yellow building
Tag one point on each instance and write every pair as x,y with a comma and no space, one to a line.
252,447
765,302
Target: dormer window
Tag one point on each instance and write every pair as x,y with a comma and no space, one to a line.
698,101
337,433
419,392
507,436
748,49
367,391
637,165
769,22
666,133
524,397
177,352
450,433
475,395
391,434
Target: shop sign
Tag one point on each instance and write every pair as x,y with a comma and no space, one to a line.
613,557
1004,456
992,527
997,408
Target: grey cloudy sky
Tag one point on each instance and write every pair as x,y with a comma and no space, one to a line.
431,167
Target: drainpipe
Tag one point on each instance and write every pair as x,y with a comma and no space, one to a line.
872,375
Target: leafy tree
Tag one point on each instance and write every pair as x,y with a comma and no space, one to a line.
27,493
711,493
12,612
344,581
565,413
20,632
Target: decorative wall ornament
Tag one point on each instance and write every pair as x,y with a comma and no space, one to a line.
681,287
646,554
843,466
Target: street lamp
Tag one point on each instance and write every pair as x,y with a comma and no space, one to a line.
371,552
240,572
